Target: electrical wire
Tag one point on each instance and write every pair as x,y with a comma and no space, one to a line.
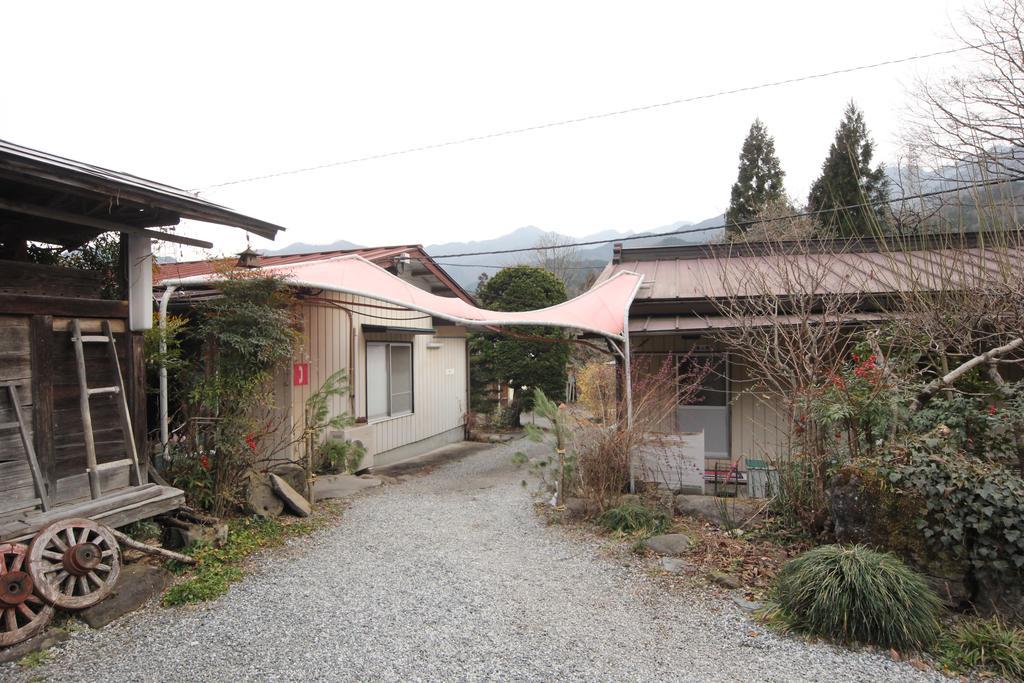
590,117
739,224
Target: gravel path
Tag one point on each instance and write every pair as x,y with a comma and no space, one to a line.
448,577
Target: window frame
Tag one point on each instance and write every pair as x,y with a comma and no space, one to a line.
391,414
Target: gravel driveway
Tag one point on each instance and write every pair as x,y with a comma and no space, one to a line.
450,576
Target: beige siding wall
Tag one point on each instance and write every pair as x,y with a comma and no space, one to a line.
758,427
332,343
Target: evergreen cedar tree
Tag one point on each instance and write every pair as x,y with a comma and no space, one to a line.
847,179
759,183
516,362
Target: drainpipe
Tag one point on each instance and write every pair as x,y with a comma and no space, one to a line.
164,301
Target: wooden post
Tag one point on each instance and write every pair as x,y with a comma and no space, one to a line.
83,404
136,364
41,345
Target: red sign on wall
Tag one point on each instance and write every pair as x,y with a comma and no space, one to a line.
300,374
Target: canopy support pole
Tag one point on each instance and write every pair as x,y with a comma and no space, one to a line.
164,435
629,393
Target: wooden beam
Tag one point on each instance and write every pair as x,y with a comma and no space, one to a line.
31,304
98,223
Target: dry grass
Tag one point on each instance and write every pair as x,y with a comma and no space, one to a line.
752,557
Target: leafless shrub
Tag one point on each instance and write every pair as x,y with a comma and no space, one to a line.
791,309
559,255
972,122
605,453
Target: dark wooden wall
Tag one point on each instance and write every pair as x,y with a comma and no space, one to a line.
36,307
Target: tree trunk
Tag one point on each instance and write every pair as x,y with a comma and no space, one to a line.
951,377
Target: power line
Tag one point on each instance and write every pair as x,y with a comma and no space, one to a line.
740,224
592,117
509,265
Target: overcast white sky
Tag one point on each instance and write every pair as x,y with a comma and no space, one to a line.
195,93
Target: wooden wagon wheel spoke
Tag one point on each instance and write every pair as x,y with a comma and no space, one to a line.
24,614
81,574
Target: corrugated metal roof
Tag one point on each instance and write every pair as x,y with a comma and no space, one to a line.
672,324
705,274
378,255
32,165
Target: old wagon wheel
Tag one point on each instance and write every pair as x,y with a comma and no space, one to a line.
22,613
74,562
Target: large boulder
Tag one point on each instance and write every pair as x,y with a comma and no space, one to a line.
1000,597
709,508
294,500
866,511
668,544
295,475
260,498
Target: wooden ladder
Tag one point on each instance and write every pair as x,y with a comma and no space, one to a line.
86,392
30,451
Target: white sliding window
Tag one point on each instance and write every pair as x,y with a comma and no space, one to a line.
388,379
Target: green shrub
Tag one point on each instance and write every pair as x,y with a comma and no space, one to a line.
988,645
975,509
341,456
855,595
630,519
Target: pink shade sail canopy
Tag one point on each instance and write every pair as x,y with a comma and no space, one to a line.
603,310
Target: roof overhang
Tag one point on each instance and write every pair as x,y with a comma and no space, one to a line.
44,197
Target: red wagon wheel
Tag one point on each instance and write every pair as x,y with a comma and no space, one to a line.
22,613
74,562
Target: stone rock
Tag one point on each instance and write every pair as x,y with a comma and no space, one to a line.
1002,598
952,589
669,544
579,508
175,537
295,475
260,498
709,508
724,580
137,584
292,498
42,641
864,511
740,599
665,502
674,565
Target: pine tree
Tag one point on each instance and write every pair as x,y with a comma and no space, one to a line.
759,183
520,362
848,180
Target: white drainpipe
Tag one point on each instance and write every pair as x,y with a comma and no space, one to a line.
164,435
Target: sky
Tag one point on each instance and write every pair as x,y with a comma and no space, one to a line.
198,93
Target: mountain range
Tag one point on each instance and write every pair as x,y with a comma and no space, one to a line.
466,270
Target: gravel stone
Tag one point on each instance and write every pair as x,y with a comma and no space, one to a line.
451,576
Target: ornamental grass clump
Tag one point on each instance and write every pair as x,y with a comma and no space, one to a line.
630,519
987,645
853,594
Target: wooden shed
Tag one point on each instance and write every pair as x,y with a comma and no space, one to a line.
72,373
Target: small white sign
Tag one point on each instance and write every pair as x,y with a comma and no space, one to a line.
449,371
675,460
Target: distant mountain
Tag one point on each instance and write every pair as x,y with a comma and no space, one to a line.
466,270
304,248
